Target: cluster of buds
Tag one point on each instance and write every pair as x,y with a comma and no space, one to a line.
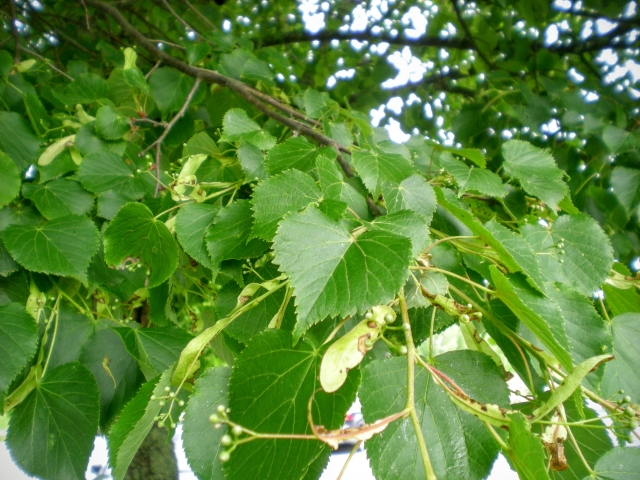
229,442
165,418
625,416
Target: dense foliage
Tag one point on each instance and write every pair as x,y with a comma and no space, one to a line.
199,223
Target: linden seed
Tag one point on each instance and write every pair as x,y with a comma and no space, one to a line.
224,456
236,430
226,440
213,418
220,408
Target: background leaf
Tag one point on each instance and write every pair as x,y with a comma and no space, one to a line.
536,170
134,232
51,432
9,181
70,242
20,338
201,440
58,198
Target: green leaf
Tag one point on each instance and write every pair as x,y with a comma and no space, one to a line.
317,104
614,138
527,454
17,140
477,374
626,185
6,63
334,187
621,301
51,432
7,263
58,198
252,161
109,124
88,142
86,88
508,245
334,272
238,126
19,334
413,193
277,196
477,179
473,154
69,241
407,224
257,319
624,371
270,386
115,371
110,202
588,253
295,152
569,385
376,167
9,181
201,143
155,349
192,222
457,447
104,171
201,441
169,89
586,330
227,238
536,171
534,313
134,234
619,464
134,423
519,250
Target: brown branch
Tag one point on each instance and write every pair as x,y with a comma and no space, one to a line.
328,35
158,143
14,32
184,22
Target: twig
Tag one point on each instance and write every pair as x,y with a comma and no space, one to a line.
158,143
184,22
199,13
468,34
48,63
14,32
86,14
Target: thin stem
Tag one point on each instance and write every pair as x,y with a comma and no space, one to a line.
336,330
410,405
447,239
459,277
346,463
56,309
433,321
496,437
14,32
47,62
604,310
574,442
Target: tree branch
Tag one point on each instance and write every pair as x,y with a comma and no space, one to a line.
158,143
469,36
328,35
14,32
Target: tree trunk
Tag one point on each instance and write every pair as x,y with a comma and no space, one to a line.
155,459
